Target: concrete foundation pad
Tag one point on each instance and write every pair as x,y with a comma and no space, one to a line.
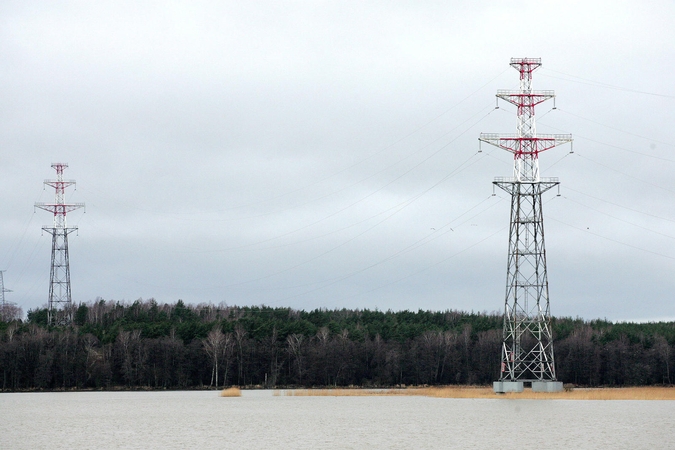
501,387
547,386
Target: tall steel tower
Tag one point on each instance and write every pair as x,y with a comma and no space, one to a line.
59,278
5,306
527,348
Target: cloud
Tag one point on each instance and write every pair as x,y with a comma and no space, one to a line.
326,155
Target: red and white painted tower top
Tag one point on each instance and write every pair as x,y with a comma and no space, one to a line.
59,208
525,144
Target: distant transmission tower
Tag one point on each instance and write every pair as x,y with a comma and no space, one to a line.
59,278
527,348
5,305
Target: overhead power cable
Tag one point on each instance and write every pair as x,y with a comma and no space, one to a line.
462,166
396,281
616,146
623,173
618,218
601,84
611,240
621,130
620,206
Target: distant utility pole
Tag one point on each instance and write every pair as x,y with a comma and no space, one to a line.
5,305
59,278
527,348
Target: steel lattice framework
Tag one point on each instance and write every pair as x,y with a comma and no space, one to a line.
4,305
527,348
59,278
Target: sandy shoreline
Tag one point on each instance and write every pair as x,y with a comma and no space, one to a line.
623,393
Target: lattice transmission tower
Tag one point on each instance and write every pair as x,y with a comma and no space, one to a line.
59,309
527,347
6,308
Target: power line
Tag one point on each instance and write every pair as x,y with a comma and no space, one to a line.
617,147
621,130
623,173
602,84
612,240
620,206
619,219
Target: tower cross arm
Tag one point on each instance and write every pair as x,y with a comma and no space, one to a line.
526,98
517,62
62,231
60,183
525,145
61,208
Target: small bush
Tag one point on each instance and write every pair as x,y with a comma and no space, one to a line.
231,392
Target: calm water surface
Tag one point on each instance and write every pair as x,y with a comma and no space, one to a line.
199,419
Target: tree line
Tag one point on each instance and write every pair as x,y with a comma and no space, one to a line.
145,344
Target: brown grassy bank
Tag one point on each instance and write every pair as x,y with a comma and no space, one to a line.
627,393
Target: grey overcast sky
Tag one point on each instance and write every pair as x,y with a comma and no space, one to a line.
325,154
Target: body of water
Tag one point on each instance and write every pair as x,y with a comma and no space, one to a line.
259,420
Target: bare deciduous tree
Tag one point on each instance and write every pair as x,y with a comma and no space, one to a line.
11,330
295,348
239,336
663,350
9,312
217,345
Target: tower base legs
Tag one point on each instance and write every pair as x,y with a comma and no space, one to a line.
547,386
501,387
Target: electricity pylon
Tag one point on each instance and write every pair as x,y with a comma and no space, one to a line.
59,278
527,347
5,306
